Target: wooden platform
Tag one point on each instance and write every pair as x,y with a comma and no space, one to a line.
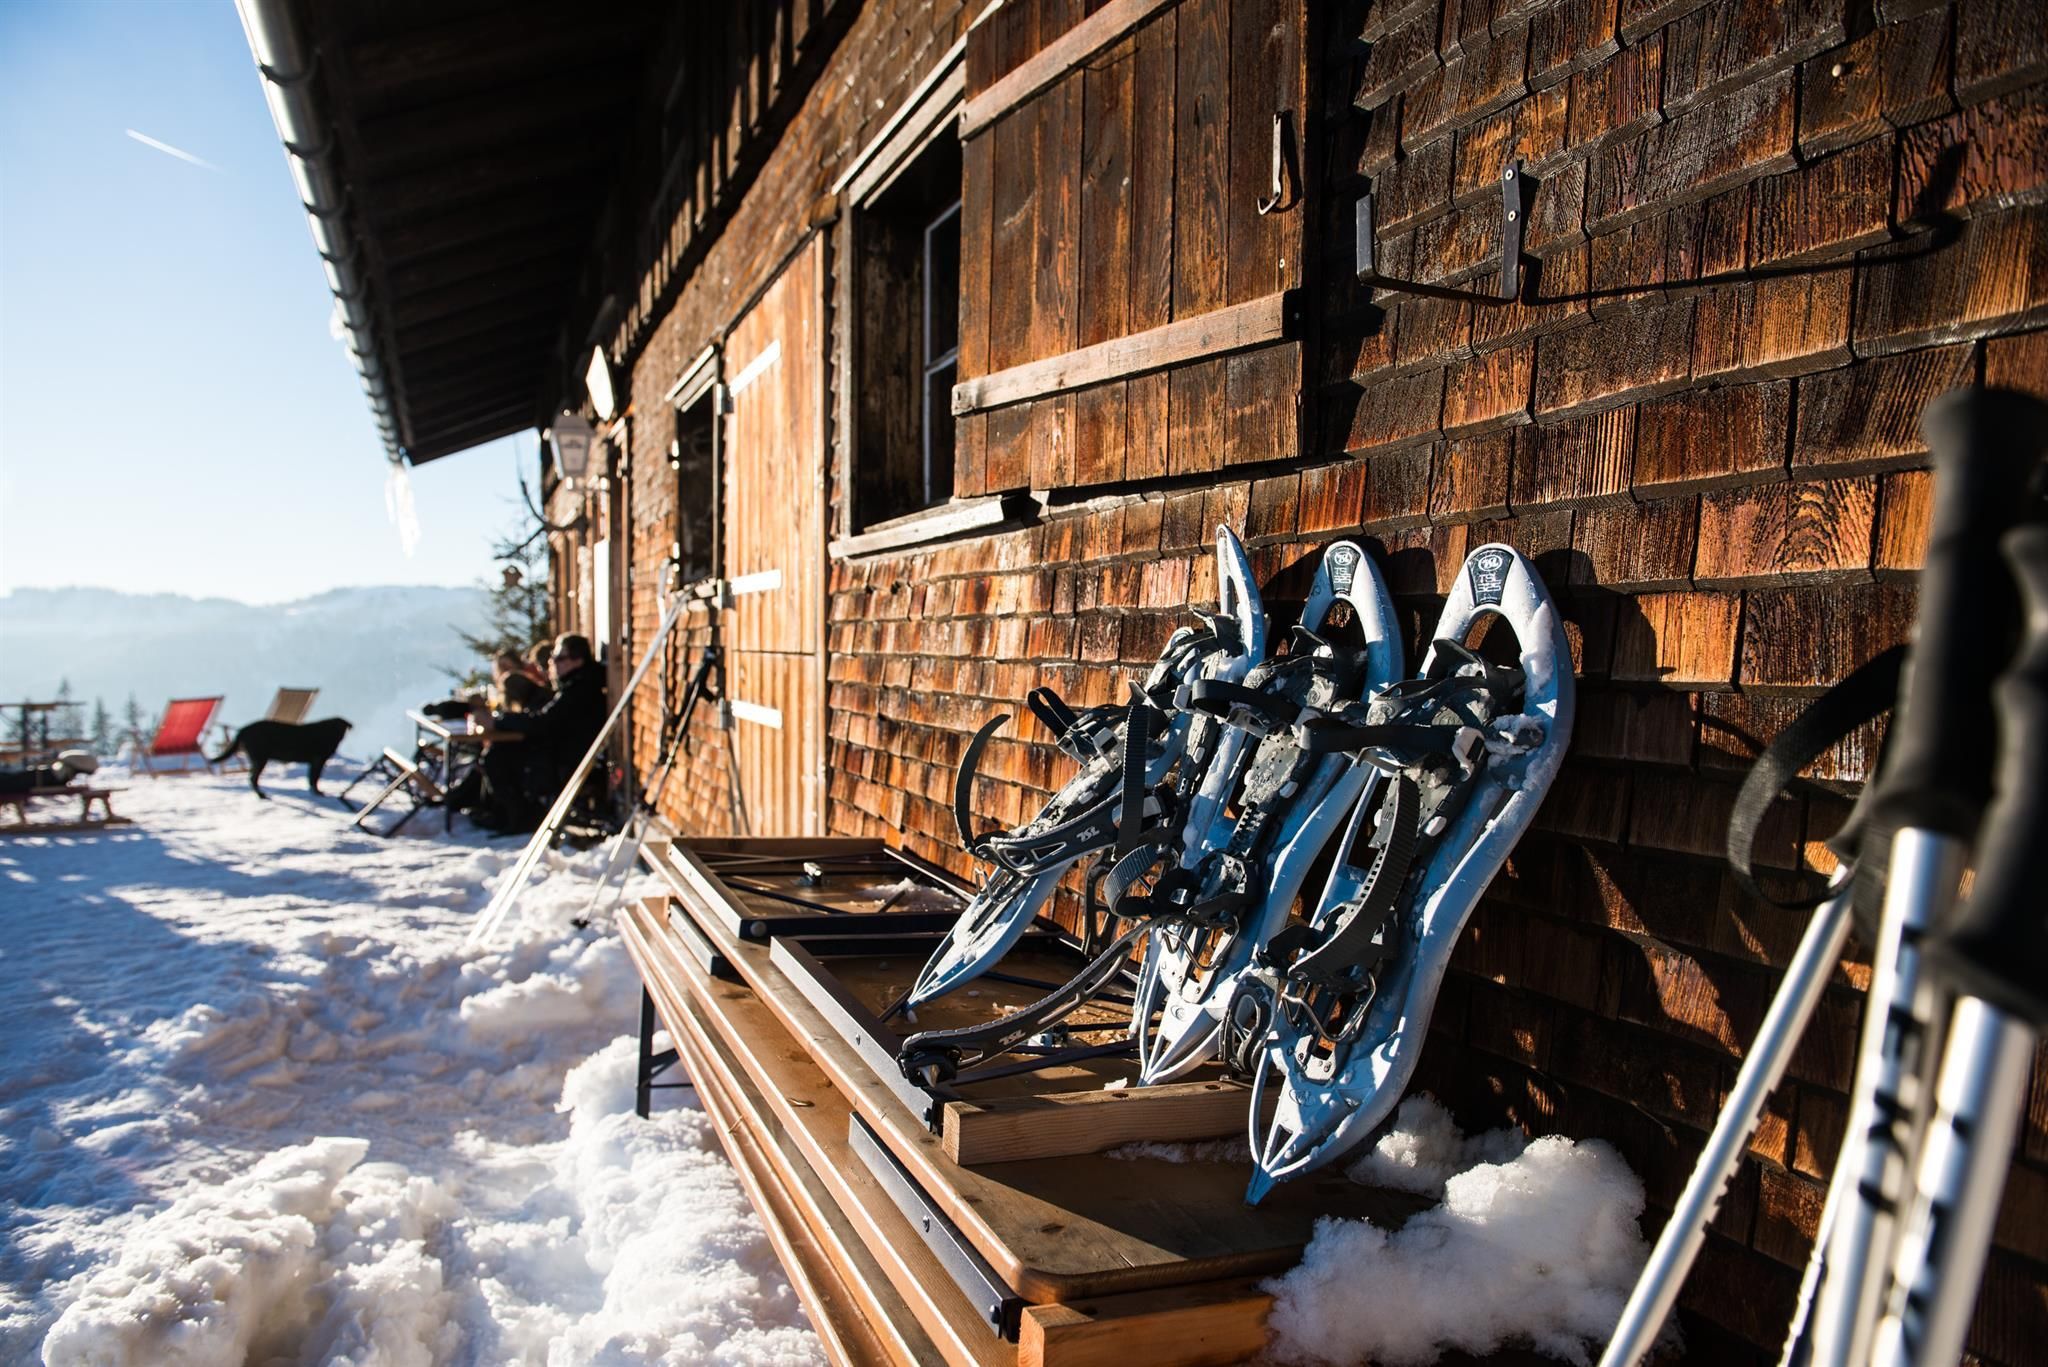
1090,1258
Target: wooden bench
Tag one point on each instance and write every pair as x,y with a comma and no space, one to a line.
85,820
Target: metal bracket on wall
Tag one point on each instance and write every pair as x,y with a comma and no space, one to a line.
1517,188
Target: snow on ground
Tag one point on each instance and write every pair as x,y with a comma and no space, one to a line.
259,1102
1535,1243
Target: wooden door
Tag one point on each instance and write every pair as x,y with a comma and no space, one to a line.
775,550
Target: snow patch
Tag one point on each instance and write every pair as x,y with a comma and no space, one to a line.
305,1254
263,1103
1425,1149
1537,1247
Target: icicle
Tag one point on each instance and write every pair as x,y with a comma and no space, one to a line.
398,506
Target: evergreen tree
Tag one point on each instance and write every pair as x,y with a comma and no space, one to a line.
65,721
103,738
518,602
131,718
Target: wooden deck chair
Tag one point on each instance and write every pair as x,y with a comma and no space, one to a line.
180,735
410,777
291,705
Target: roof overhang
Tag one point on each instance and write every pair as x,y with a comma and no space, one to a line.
454,160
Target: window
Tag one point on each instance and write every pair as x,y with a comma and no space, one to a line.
905,249
693,460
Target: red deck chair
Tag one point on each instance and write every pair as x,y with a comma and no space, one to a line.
179,735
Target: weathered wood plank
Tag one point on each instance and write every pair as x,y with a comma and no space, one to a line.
1053,61
1015,228
1266,79
1201,147
1215,333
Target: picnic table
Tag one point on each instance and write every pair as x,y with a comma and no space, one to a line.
35,742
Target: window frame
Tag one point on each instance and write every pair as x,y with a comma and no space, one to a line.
930,112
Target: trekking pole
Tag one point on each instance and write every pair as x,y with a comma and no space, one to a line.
1656,1290
1931,793
1969,502
623,852
1997,957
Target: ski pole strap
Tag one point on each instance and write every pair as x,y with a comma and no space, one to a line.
1865,694
963,785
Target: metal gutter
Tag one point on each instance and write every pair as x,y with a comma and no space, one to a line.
287,67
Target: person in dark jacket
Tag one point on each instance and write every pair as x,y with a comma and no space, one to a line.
521,778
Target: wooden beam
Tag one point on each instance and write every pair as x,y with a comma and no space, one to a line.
1256,323
934,524
1053,61
1060,1124
1208,1325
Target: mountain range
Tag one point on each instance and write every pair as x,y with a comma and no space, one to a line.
372,652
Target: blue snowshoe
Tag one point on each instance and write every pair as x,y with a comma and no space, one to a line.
1334,1013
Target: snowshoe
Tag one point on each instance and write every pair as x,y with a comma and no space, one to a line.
1086,815
1334,1012
1241,864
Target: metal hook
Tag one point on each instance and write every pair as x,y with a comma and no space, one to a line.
1277,198
1517,188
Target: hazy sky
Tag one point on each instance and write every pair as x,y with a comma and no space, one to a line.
174,415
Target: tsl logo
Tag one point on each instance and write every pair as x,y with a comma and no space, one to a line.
1489,573
1342,563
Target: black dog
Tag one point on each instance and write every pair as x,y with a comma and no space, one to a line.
312,744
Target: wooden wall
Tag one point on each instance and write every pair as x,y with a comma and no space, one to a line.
1718,471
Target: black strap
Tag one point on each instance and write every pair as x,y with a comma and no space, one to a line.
1050,708
937,1055
1348,944
963,783
1218,698
1137,741
1407,741
1865,694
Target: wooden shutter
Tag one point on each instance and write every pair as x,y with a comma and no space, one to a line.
1127,312
775,550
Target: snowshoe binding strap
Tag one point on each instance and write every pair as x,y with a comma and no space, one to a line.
1086,815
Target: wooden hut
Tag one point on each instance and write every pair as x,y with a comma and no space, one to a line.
946,334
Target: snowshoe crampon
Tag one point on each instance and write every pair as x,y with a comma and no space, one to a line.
1334,1014
1266,808
1086,815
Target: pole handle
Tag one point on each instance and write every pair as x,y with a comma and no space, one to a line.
1999,948
1937,773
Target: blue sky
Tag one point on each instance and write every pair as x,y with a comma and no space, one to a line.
174,415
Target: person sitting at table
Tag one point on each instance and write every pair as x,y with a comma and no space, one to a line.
518,689
523,773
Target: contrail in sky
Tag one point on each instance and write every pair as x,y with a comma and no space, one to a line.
178,152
